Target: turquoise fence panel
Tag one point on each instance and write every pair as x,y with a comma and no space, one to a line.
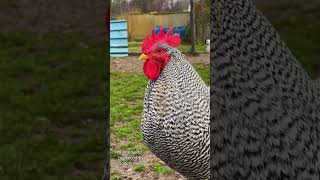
118,38
119,42
118,50
119,34
118,25
119,55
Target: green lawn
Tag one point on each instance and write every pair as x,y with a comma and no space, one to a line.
136,46
52,106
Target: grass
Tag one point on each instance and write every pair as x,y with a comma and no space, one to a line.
136,46
126,102
52,100
115,175
114,154
139,168
161,169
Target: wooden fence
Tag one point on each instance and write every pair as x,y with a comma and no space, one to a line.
139,25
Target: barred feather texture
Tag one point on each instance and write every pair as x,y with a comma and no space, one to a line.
265,108
175,122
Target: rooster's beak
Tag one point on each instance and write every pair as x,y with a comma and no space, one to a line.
143,57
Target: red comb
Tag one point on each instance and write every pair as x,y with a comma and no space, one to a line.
149,42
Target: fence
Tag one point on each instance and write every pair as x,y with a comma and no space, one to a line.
118,39
139,25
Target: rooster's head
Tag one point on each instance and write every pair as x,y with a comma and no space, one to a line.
155,57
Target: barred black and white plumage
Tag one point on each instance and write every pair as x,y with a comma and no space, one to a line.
175,122
265,117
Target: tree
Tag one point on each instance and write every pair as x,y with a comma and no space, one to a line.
202,13
147,6
119,7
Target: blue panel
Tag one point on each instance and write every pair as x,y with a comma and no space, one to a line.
181,30
118,34
118,42
118,26
118,50
157,29
119,55
118,38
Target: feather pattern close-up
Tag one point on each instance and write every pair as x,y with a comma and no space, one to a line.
265,109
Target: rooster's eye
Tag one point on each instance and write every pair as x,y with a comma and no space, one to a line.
157,52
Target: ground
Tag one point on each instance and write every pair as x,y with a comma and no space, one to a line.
130,158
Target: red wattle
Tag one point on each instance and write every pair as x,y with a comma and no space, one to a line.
151,69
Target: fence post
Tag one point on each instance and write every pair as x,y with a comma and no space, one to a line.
192,26
106,171
203,22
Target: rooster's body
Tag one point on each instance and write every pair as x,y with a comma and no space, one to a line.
175,122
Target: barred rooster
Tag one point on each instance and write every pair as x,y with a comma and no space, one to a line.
266,109
175,122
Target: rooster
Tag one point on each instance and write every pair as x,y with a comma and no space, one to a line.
175,122
266,109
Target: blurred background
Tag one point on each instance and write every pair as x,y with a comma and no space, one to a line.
52,89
